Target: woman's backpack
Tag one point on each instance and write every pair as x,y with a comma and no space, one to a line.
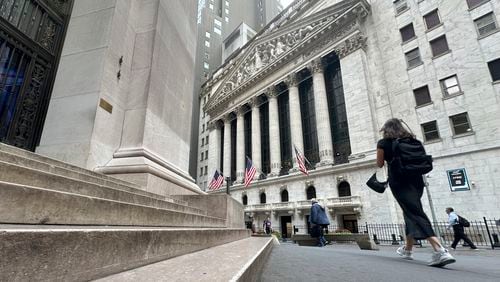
410,157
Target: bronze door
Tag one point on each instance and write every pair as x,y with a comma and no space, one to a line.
31,37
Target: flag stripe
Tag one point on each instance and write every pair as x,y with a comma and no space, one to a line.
300,162
250,172
216,182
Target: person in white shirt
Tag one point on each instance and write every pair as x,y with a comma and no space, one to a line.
458,230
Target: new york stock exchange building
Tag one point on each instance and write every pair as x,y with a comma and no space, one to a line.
325,75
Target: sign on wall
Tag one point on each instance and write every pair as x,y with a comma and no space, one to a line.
458,179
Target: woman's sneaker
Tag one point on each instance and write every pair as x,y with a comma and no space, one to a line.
441,258
401,251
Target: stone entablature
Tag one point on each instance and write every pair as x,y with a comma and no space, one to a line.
333,26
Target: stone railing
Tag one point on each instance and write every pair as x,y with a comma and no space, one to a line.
349,201
284,206
258,207
304,204
271,206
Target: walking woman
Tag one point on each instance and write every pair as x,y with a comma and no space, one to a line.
408,189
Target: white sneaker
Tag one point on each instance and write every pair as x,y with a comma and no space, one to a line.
441,258
401,251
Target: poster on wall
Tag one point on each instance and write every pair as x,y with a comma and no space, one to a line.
458,180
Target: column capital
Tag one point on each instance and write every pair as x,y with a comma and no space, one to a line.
212,125
254,102
227,118
292,80
240,111
271,92
316,66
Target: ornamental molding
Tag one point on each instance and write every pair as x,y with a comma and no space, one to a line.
266,54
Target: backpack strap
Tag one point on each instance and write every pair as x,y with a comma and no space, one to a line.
395,143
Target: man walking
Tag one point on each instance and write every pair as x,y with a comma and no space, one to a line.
267,226
318,220
458,229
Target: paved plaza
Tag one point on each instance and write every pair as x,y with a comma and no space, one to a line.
289,262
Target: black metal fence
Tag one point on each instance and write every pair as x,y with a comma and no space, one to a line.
483,233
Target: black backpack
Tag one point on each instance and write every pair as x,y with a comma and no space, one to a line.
410,157
463,222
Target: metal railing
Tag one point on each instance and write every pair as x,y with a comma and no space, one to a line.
483,233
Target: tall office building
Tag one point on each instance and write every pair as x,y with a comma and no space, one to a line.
220,20
324,77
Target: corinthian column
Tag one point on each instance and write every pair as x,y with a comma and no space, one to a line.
256,146
322,117
214,147
295,115
274,132
226,169
240,144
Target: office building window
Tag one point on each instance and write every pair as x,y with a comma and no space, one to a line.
227,11
413,58
422,96
494,67
439,46
202,158
486,24
211,6
400,6
206,142
207,44
206,155
207,34
460,124
206,170
227,19
450,86
202,141
203,128
474,3
201,171
227,3
407,33
430,131
206,65
217,30
432,19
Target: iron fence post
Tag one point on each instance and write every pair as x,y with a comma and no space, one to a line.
489,234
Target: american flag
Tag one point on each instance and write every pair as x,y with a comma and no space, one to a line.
216,182
250,171
300,161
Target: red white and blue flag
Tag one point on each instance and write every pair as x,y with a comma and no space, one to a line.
300,161
250,171
216,182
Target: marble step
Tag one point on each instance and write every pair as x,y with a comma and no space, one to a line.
241,260
28,176
23,204
55,163
83,253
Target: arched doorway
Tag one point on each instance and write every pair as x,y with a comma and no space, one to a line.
311,192
344,189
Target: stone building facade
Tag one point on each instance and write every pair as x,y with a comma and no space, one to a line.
324,76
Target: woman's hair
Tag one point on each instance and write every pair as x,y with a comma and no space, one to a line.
393,128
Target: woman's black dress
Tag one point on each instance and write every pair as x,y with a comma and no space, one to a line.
408,190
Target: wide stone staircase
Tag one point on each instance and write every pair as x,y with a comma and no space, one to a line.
59,222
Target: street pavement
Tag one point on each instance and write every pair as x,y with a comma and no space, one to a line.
289,262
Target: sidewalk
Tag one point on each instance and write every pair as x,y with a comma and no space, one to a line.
289,262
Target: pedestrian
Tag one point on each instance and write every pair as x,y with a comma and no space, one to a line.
458,230
407,190
267,225
318,221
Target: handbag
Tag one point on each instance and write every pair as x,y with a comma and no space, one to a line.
375,185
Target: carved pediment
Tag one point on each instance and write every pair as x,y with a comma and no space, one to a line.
271,49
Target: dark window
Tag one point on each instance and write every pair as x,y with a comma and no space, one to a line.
407,32
475,3
285,136
262,198
233,150
311,192
344,189
432,19
284,196
460,124
450,86
264,138
413,58
307,110
244,199
206,170
202,158
400,6
206,154
337,109
439,46
430,131
248,134
494,67
422,95
486,24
